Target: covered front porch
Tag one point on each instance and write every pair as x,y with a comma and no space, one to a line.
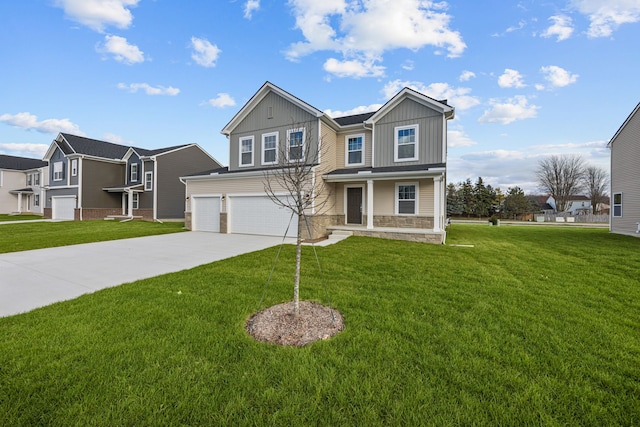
394,233
130,199
24,197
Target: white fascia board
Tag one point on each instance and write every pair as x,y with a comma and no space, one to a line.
382,176
635,110
445,109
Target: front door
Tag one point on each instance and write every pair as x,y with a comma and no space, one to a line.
354,205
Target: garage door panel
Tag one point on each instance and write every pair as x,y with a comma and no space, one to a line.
63,208
259,215
206,214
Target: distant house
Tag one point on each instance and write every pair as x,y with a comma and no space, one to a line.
384,170
93,179
576,205
22,182
625,176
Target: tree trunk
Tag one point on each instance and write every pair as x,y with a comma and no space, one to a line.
296,279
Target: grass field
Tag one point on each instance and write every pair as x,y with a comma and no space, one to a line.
22,217
38,235
530,326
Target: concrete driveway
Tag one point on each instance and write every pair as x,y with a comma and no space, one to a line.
37,278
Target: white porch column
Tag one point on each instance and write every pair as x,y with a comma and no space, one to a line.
19,202
437,203
130,206
369,204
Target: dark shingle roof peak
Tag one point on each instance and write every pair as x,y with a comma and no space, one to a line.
20,163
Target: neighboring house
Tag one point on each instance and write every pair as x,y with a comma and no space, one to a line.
576,205
384,171
543,204
92,179
625,176
22,182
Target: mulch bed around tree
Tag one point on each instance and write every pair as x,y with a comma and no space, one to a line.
278,325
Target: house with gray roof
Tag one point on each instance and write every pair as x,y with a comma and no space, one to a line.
383,171
93,179
22,182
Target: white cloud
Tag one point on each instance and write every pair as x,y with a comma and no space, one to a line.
510,78
408,65
466,76
458,138
148,89
607,15
353,68
249,7
204,53
368,29
221,101
30,122
562,28
121,50
97,14
24,149
557,76
458,98
516,108
357,110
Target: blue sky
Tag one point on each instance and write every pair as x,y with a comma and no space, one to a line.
528,79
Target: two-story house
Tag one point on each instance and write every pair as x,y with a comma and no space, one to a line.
625,176
384,171
93,179
22,182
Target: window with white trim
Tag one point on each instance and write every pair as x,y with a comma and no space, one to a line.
36,200
135,201
405,143
29,179
617,205
406,199
58,171
36,178
354,145
246,151
295,144
74,167
270,148
148,181
134,172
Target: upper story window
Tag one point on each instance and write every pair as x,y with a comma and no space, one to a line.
58,171
295,144
246,151
617,205
148,181
29,179
134,172
355,150
36,200
406,199
36,178
406,143
270,148
74,167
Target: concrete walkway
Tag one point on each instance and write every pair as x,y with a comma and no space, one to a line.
37,278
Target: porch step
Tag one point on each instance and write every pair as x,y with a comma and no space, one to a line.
341,233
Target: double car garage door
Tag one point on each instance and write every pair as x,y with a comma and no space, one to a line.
245,215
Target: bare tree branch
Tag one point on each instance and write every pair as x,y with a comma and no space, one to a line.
596,182
561,177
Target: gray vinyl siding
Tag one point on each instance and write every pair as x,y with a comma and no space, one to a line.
430,130
58,156
171,166
97,175
285,116
134,159
625,176
55,192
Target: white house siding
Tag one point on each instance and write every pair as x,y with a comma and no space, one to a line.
11,180
625,175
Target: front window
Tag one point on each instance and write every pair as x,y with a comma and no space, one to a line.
270,148
295,144
74,167
134,172
617,205
36,200
406,201
58,171
355,150
406,143
246,151
148,181
36,178
29,179
134,203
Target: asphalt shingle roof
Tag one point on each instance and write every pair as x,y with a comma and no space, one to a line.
354,119
20,163
93,147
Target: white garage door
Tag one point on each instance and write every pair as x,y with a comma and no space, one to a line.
63,207
259,215
205,214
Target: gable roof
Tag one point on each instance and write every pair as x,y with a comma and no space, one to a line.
355,119
20,163
440,106
94,147
635,110
266,88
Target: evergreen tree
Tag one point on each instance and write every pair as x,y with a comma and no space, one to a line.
455,205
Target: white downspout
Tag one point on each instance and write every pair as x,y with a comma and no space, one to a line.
155,188
80,186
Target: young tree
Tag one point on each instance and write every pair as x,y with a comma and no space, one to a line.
516,203
296,184
561,177
596,181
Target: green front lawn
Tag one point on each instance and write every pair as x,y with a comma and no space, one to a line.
531,326
21,217
38,235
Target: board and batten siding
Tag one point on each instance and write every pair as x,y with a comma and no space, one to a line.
272,114
625,176
430,130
